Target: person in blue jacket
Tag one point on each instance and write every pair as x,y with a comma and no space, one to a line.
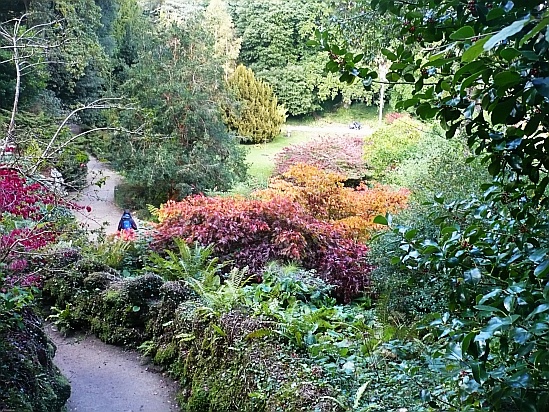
126,221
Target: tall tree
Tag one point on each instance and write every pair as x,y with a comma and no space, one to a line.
185,146
227,44
274,35
259,117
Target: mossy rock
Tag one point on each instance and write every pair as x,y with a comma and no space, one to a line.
176,292
30,380
142,288
116,334
99,280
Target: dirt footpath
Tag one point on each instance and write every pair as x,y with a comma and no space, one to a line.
99,198
108,379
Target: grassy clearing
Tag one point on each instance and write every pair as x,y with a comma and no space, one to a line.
360,112
260,157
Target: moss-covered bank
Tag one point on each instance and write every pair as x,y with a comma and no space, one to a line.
223,361
29,381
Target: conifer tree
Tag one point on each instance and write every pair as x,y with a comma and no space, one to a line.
259,117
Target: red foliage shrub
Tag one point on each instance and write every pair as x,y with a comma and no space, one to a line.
341,155
254,232
26,203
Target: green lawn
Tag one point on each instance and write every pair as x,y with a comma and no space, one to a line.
358,111
260,157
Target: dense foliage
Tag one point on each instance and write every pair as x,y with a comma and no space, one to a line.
259,117
183,146
390,145
323,195
252,233
274,35
482,71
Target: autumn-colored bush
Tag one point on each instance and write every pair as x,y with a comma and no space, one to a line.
342,155
254,232
323,195
26,214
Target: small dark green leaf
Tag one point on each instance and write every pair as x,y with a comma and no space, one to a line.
509,53
495,13
389,54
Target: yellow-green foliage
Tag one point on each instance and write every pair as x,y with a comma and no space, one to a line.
259,117
391,144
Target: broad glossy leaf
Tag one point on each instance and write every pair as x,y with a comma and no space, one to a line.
475,50
542,269
505,33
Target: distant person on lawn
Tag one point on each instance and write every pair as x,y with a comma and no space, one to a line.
126,221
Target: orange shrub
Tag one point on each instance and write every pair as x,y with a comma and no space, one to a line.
324,196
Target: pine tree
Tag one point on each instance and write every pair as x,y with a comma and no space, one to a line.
259,117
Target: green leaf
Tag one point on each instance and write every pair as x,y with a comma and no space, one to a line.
538,254
381,220
544,307
358,58
479,372
505,33
506,78
332,66
259,333
509,53
542,269
389,54
538,27
475,50
136,309
502,110
466,342
495,13
463,33
489,309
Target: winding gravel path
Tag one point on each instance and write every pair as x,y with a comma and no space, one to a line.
106,378
100,198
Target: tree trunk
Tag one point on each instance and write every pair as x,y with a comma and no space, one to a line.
10,138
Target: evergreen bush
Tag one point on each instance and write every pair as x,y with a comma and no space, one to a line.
259,118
